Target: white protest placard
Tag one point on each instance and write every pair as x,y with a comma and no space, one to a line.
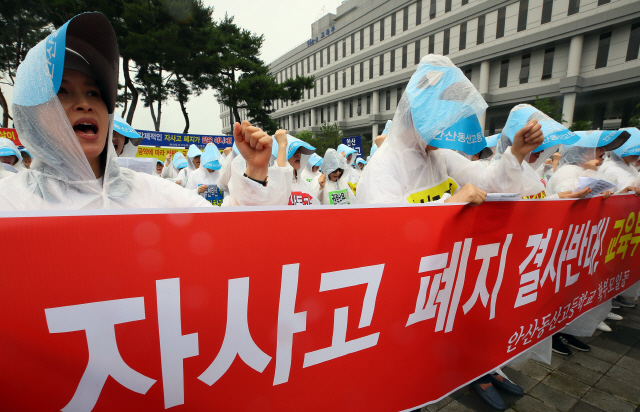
597,186
139,164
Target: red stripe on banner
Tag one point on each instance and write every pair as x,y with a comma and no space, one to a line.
293,310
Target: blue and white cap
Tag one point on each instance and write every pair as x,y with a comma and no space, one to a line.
24,150
492,141
211,157
194,151
445,106
86,43
361,160
632,145
293,144
122,127
347,151
315,160
608,139
554,133
179,161
386,128
8,148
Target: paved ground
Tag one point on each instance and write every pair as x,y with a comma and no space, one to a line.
607,378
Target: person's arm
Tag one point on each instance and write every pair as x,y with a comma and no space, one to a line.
281,138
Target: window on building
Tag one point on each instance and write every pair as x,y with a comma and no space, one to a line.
335,112
296,69
381,65
480,34
393,24
547,9
353,43
314,61
344,48
405,18
468,72
368,104
336,80
463,36
381,29
418,12
371,35
524,68
361,39
398,95
308,95
328,84
302,67
328,114
304,120
432,10
547,67
603,50
392,61
522,15
371,68
361,72
344,78
432,44
321,58
601,2
504,73
321,115
335,51
574,7
308,63
634,42
404,56
315,89
445,43
416,53
321,87
359,110
388,100
350,108
353,75
502,13
447,6
465,2
298,120
328,55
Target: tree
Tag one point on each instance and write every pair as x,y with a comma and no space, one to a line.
580,125
634,121
22,26
328,137
550,107
244,81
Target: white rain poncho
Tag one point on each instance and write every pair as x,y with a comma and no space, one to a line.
360,161
8,148
60,176
615,165
301,193
208,174
338,192
185,173
571,165
180,168
554,134
440,106
351,173
246,192
314,161
225,171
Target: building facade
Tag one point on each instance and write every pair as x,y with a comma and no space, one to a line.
584,53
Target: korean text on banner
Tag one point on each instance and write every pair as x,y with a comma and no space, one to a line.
10,134
159,153
152,138
275,328
354,142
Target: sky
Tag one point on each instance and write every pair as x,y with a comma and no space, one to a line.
285,24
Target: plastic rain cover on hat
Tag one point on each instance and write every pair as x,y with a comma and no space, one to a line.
632,146
122,127
374,147
315,160
584,150
24,150
332,161
554,134
293,144
361,160
445,106
8,148
179,161
347,151
492,140
61,176
386,127
211,157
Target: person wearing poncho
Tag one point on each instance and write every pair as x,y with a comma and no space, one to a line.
312,168
621,163
332,186
583,158
439,109
204,180
350,172
122,132
360,164
10,154
297,155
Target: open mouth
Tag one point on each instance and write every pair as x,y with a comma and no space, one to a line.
86,127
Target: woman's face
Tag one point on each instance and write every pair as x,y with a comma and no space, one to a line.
159,167
361,166
315,168
349,159
631,160
26,161
9,160
118,142
87,112
335,175
533,157
196,161
294,160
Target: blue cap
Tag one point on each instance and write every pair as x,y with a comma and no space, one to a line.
315,160
465,135
122,127
24,150
293,144
373,149
361,160
632,145
211,157
8,148
179,161
386,128
554,133
601,138
194,151
492,141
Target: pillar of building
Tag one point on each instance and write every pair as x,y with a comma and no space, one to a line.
313,117
573,69
375,102
374,130
485,66
340,110
292,125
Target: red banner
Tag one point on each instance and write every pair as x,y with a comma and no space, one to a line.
279,309
10,134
